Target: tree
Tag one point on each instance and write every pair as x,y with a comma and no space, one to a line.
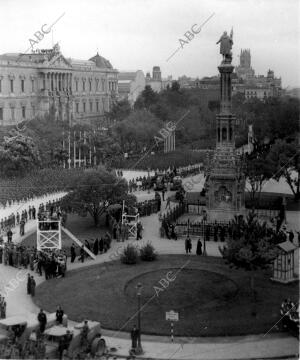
258,171
93,191
252,246
137,131
147,98
285,158
120,110
47,134
18,155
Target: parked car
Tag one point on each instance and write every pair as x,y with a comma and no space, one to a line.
18,329
56,340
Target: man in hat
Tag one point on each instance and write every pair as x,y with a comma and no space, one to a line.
42,318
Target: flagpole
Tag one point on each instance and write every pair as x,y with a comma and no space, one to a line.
63,145
74,150
69,149
79,150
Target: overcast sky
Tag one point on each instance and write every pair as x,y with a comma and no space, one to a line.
138,34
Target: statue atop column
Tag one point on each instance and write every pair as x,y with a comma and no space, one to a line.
226,43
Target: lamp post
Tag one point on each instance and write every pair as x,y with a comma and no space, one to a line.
139,349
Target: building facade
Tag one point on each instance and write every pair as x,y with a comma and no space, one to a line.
76,90
130,85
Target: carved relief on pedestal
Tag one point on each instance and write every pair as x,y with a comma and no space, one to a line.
223,197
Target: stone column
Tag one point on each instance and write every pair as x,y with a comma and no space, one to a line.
70,83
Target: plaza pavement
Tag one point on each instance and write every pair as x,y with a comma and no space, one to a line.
157,347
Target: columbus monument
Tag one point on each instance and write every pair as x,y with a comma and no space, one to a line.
225,182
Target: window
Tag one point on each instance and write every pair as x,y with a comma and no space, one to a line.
1,113
11,86
12,113
77,105
22,85
83,85
32,85
76,85
97,106
84,107
33,110
103,84
0,85
23,112
90,81
91,106
97,84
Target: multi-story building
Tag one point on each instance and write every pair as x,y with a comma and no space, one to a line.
130,85
76,90
258,86
244,70
156,82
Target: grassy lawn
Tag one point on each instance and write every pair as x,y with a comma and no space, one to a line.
82,227
211,298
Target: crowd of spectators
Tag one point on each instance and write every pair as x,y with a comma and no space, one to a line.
51,263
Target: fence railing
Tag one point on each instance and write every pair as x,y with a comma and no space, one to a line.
218,231
172,215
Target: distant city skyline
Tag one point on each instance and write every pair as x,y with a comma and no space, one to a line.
139,34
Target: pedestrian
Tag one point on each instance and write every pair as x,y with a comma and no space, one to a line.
22,227
42,319
188,245
101,245
32,286
173,232
81,254
134,338
9,235
163,193
96,247
33,212
84,334
139,229
73,253
199,247
59,315
28,284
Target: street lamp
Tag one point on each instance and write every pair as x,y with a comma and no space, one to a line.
139,349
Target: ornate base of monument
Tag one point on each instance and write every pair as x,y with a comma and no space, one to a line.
225,196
